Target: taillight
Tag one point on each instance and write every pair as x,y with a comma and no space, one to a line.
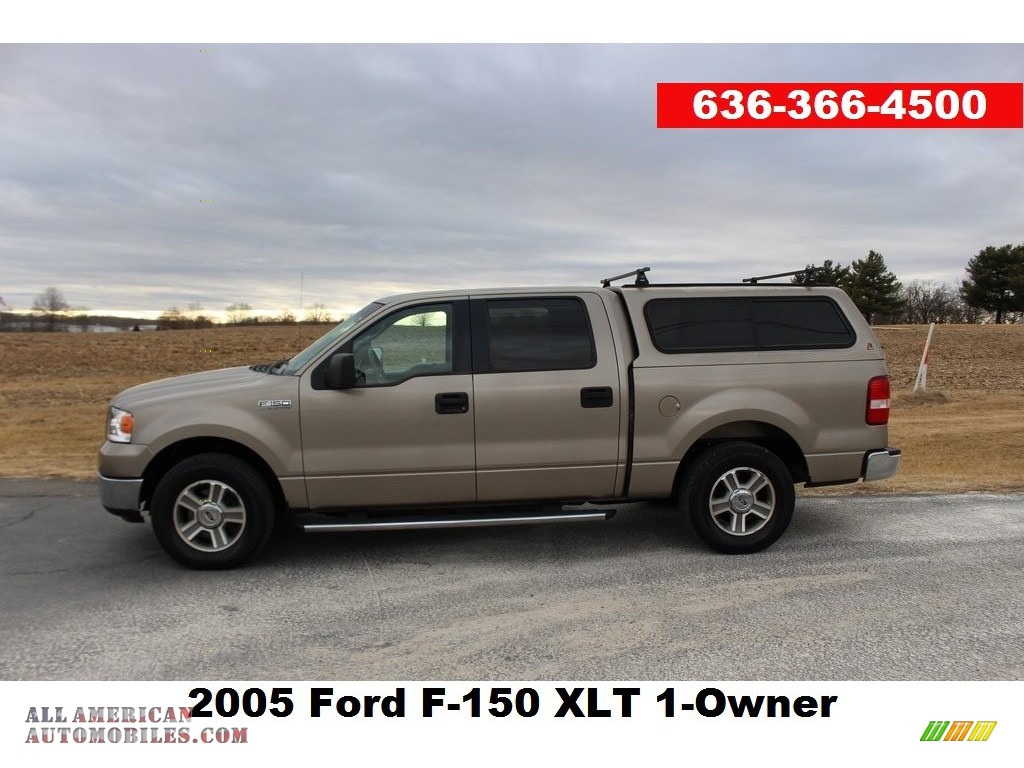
877,413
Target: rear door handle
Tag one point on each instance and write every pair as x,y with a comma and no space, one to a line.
451,402
597,397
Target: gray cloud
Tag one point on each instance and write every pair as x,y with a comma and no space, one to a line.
376,169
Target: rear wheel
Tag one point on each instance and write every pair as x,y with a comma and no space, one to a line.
739,497
212,511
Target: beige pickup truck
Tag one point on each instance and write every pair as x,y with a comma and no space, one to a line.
515,405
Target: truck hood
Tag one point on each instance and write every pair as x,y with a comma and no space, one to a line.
193,385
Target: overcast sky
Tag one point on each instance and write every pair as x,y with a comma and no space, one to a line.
140,177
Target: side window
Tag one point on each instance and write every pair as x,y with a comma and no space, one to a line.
416,341
800,323
700,325
739,324
539,334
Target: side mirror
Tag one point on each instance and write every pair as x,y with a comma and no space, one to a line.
341,371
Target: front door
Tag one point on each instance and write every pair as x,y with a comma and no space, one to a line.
404,434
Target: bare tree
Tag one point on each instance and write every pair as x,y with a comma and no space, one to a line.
238,313
51,305
197,316
171,319
965,313
317,313
926,301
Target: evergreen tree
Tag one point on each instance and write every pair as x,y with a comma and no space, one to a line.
995,280
1017,281
827,274
873,288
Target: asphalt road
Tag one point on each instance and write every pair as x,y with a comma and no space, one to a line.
918,587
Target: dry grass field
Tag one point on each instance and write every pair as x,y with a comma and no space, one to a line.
966,434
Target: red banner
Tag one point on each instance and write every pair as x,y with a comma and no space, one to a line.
840,105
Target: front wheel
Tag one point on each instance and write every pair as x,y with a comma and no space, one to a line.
212,511
739,497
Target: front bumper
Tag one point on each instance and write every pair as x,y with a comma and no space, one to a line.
122,497
881,465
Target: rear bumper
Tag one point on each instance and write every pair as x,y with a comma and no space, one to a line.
122,497
881,465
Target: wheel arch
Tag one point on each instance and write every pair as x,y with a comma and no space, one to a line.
768,436
183,449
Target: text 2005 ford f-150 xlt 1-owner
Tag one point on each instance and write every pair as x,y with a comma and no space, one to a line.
478,407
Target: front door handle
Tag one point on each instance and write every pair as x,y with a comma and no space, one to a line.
451,402
597,397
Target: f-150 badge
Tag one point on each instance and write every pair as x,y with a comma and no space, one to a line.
274,404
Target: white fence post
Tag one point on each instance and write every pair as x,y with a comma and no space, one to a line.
922,370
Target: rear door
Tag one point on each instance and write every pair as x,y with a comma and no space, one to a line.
548,398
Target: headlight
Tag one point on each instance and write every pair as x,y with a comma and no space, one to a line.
119,425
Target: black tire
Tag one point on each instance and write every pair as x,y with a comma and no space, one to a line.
739,497
212,511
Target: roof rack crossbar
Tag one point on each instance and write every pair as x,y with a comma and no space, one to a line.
641,278
809,273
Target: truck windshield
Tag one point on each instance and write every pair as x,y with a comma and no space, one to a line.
328,339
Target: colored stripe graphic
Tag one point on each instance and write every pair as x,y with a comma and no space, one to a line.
958,730
982,730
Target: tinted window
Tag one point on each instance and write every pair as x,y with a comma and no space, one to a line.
538,335
790,323
737,324
691,325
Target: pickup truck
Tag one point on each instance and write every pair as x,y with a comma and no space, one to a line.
515,405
